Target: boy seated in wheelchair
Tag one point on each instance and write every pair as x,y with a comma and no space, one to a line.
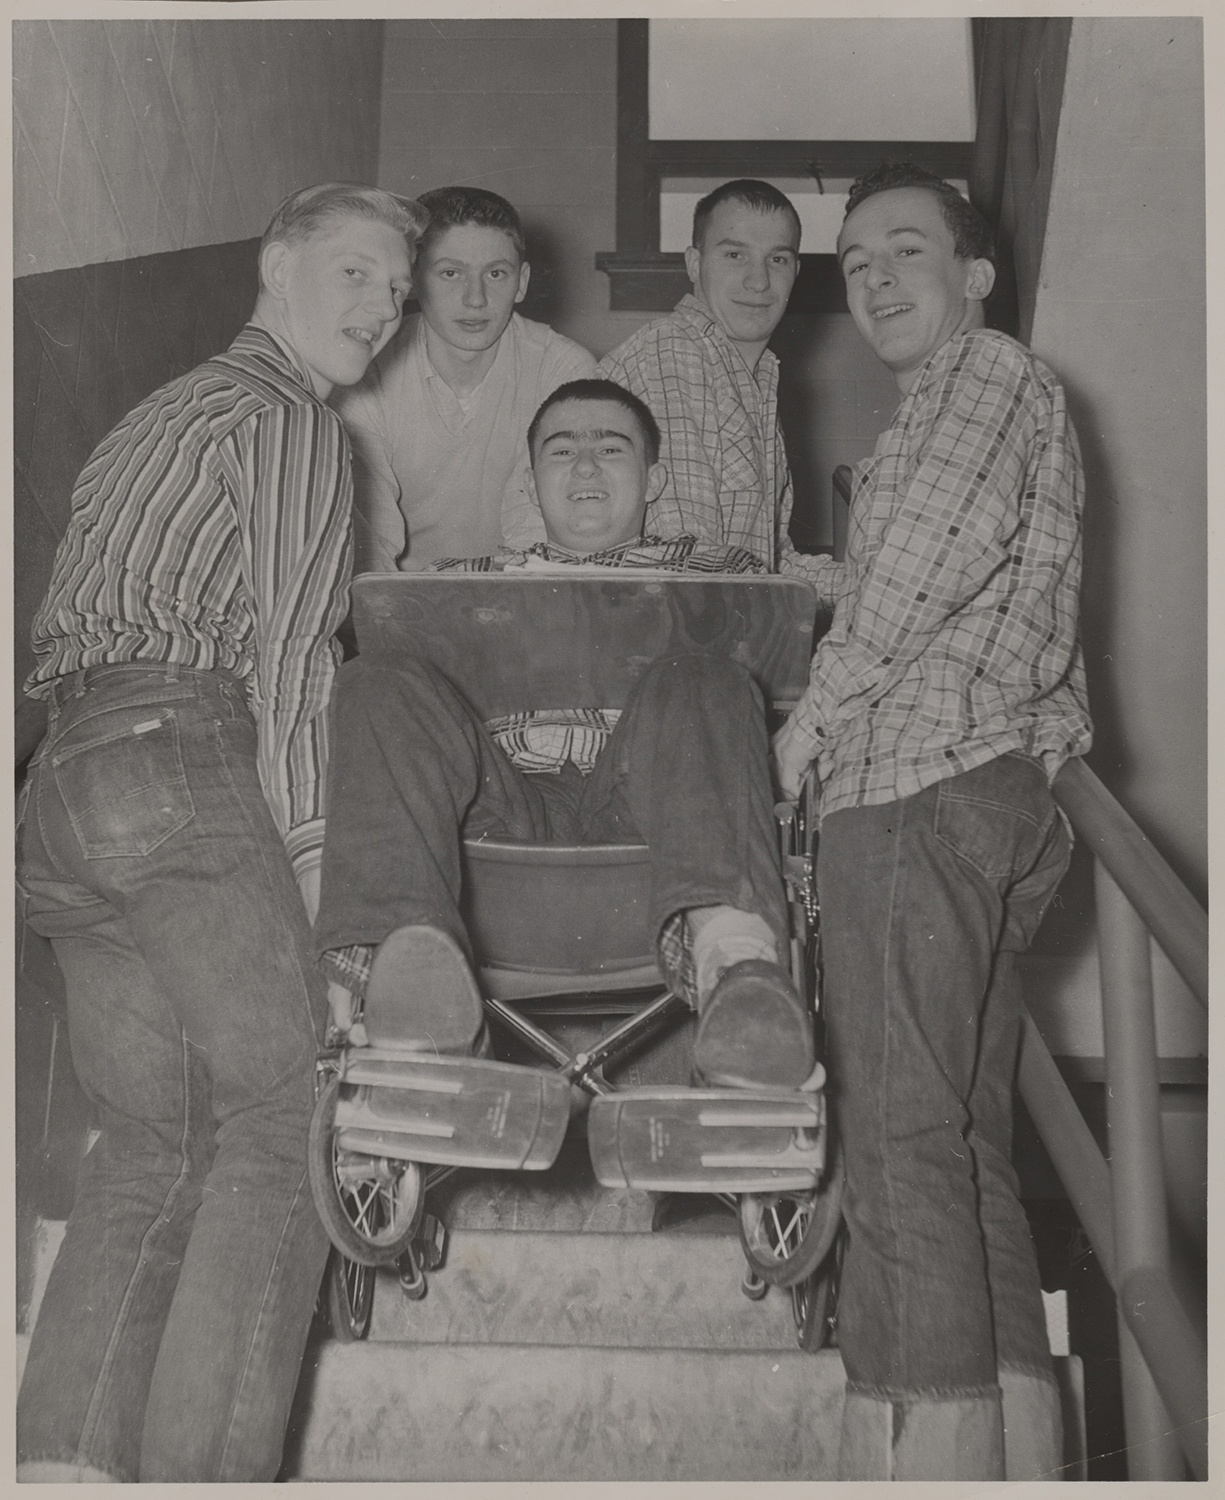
683,768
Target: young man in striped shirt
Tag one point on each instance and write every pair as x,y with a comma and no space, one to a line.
684,768
185,651
946,695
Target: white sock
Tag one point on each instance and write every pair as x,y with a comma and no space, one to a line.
723,936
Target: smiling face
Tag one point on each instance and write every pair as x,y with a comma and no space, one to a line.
468,282
591,475
906,289
744,270
337,296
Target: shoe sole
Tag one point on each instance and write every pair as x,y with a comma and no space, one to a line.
421,994
753,1032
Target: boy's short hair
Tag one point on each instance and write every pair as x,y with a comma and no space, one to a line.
599,390
452,207
753,193
307,211
972,237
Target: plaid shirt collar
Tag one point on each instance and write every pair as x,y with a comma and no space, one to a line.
694,310
608,557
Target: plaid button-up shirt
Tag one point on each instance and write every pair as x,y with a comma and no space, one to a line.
954,636
728,479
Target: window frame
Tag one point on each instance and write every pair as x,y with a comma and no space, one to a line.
642,278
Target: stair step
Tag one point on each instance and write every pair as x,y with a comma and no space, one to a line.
564,1197
644,1291
517,1412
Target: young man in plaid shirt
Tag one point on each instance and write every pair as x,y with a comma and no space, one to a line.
710,380
684,768
942,702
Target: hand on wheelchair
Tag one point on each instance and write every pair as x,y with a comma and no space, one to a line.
344,1027
792,758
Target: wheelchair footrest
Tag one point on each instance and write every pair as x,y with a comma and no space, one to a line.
457,1111
680,1140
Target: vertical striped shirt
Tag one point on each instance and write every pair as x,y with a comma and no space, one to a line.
728,479
955,631
211,528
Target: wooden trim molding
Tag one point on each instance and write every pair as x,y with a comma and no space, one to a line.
820,159
637,185
652,281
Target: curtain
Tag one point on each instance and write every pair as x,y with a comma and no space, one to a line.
1019,66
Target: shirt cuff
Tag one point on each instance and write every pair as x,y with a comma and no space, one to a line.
305,846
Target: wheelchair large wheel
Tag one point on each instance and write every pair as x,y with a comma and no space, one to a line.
786,1236
814,1302
370,1205
350,1298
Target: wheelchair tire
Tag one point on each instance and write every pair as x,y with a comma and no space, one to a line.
370,1206
786,1236
350,1298
814,1303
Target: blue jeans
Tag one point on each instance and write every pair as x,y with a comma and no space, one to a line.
924,904
172,1330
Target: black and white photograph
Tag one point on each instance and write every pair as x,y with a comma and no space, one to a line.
482,1017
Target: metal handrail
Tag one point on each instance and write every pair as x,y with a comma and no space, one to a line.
1123,1205
1168,909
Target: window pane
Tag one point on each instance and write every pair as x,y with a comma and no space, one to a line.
881,80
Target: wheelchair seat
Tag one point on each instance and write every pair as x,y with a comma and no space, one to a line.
547,919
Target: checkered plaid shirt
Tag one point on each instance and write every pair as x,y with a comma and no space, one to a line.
728,479
954,636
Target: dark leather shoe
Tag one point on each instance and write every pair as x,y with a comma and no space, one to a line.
422,995
753,1030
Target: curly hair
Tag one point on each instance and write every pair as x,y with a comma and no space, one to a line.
972,237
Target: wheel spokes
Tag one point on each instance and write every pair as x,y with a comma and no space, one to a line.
787,1236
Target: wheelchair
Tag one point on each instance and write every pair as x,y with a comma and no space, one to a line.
556,927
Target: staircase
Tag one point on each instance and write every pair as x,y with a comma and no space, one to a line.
563,1340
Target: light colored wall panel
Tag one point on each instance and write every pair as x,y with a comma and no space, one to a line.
1121,316
135,137
771,79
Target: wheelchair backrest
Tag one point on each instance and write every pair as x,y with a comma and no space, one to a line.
512,642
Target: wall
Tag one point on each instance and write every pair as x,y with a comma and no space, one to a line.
770,79
1120,314
133,137
529,109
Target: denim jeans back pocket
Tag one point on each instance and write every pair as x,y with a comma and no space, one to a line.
125,789
995,817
